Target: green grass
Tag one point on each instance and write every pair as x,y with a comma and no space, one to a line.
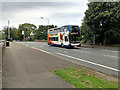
81,79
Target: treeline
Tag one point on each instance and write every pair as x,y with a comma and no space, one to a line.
31,32
102,23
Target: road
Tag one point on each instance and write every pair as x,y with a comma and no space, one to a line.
103,60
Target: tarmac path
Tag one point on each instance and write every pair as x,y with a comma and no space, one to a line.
24,67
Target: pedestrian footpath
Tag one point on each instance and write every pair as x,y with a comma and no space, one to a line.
25,67
1,58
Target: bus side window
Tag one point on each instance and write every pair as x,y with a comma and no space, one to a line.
50,32
50,38
56,38
62,29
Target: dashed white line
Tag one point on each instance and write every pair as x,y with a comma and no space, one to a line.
111,56
96,54
110,51
89,62
82,51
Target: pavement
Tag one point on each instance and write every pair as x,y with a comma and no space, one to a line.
1,57
25,67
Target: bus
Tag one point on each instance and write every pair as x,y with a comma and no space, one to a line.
65,36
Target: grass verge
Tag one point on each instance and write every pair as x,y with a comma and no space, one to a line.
82,79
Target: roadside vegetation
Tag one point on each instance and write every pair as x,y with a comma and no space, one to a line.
82,79
100,26
39,33
102,23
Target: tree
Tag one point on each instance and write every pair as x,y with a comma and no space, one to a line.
41,32
103,20
27,28
13,33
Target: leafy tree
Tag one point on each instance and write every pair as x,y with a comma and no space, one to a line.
27,28
16,34
13,33
41,32
103,20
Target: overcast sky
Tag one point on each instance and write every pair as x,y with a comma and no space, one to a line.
59,12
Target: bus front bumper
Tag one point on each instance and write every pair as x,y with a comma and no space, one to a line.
72,45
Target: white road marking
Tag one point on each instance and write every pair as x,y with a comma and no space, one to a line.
82,51
111,56
97,54
8,47
89,62
110,51
84,48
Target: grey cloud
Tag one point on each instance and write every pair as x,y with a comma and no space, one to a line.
68,15
9,6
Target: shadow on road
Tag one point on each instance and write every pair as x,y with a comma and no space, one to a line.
66,47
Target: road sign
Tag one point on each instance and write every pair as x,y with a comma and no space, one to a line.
22,32
31,34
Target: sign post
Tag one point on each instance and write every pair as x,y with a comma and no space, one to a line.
23,35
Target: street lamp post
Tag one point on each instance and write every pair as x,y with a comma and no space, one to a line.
8,30
47,20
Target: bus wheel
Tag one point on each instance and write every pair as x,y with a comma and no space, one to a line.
62,45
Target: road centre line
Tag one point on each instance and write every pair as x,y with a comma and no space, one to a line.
98,54
82,51
111,56
109,50
89,62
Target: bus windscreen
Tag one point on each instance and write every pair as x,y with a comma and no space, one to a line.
74,29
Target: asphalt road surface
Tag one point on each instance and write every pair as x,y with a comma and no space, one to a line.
102,60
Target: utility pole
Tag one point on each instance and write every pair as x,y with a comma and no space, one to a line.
94,39
93,36
8,30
